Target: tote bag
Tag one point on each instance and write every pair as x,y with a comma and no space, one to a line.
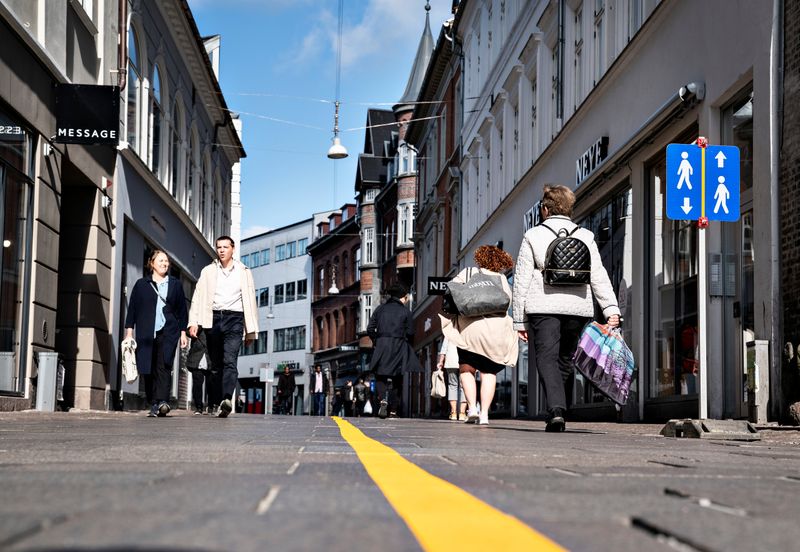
129,370
438,387
481,295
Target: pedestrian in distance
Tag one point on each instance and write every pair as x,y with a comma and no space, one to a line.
485,344
448,361
319,391
224,307
362,396
286,386
197,364
157,313
391,330
337,409
349,396
552,317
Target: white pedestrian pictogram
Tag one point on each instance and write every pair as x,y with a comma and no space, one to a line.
684,171
721,195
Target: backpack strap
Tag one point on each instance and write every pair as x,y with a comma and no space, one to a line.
553,231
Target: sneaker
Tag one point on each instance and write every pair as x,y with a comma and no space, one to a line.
153,411
453,416
382,410
163,409
483,419
225,408
198,411
472,415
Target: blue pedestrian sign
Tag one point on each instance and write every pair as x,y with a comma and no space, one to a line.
702,182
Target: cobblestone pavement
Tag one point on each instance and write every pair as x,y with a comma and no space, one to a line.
117,481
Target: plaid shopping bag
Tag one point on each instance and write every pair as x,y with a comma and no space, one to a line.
604,359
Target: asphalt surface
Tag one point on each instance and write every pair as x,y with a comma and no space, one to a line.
121,481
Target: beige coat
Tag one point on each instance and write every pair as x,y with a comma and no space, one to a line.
200,314
491,336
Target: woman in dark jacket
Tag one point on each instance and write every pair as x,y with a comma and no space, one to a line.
391,329
157,309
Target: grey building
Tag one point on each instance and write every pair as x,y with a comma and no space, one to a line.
79,220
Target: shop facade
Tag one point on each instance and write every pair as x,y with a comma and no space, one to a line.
602,129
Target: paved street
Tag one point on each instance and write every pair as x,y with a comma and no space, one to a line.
89,480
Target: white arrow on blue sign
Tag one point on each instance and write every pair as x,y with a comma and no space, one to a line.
685,185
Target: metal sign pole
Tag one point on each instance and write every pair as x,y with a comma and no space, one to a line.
702,285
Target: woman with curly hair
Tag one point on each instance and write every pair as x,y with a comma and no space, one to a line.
486,344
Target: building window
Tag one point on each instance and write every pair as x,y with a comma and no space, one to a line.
291,250
263,297
265,256
634,17
302,289
406,159
278,294
246,260
321,281
404,214
356,264
366,310
289,292
577,77
289,339
599,40
156,124
280,253
133,121
191,172
369,195
177,159
369,245
261,344
302,244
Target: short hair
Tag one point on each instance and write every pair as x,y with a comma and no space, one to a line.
493,258
559,200
230,239
397,291
153,255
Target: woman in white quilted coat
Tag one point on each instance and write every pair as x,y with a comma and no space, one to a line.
486,344
553,317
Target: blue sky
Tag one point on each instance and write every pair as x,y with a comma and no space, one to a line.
278,60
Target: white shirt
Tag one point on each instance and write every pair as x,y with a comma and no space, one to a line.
228,295
317,382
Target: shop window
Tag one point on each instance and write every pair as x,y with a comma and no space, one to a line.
16,194
611,225
674,367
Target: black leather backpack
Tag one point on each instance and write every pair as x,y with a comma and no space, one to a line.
568,261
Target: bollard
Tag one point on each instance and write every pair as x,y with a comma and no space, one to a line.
46,381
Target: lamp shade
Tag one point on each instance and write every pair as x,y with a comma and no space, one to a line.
337,150
333,290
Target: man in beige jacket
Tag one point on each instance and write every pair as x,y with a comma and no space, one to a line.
224,307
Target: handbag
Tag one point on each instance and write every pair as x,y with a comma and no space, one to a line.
368,407
129,370
605,359
438,386
481,295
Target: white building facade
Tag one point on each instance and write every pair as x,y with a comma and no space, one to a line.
282,274
588,93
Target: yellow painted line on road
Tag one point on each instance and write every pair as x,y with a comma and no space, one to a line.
440,515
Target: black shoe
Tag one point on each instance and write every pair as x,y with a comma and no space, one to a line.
213,410
198,411
556,424
153,411
382,410
163,409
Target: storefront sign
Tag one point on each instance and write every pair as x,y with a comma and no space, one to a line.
87,114
591,159
437,285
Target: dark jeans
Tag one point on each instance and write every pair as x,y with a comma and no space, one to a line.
318,404
285,404
555,339
158,383
390,389
198,377
224,340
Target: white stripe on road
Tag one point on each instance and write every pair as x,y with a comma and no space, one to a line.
293,469
267,501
